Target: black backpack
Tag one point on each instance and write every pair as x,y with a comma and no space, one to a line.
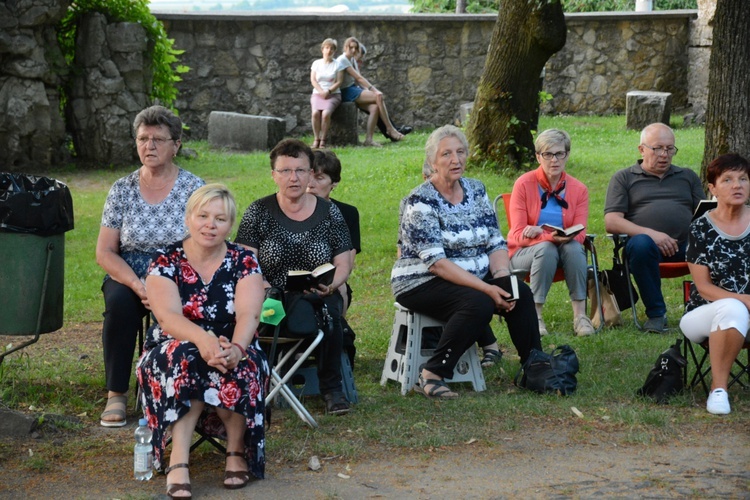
665,378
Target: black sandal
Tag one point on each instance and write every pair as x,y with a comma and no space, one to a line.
435,392
336,403
174,488
491,357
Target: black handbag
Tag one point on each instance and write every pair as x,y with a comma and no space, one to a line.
550,373
306,313
617,281
665,378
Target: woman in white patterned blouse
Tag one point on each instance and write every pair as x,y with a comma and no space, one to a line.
144,212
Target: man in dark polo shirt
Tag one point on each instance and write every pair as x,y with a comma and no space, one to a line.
653,203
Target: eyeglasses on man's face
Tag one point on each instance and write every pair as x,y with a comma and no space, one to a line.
286,172
548,155
660,150
158,141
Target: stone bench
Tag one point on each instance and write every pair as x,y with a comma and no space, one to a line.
344,126
244,132
643,108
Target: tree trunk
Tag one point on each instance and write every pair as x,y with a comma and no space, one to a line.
526,34
728,109
460,6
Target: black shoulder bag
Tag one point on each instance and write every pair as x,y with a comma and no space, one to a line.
665,378
550,373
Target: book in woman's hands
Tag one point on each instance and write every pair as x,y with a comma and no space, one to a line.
509,284
571,231
299,281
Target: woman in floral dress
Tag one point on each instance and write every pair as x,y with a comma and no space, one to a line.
203,354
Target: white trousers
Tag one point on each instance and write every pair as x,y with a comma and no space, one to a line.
722,314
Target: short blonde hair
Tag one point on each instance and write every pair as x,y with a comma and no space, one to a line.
330,41
208,193
551,137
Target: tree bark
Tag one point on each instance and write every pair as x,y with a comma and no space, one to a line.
728,107
460,6
527,33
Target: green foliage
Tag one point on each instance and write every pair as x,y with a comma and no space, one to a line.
486,6
164,59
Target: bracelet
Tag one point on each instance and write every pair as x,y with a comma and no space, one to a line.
243,351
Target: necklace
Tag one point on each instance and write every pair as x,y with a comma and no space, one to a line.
167,183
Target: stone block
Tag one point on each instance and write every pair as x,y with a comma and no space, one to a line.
244,132
344,130
644,107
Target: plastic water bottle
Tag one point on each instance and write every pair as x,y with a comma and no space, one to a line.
143,452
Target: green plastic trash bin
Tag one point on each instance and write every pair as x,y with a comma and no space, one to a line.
35,213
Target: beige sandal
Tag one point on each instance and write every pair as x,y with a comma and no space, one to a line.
116,406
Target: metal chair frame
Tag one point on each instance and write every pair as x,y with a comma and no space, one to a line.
592,267
703,368
667,270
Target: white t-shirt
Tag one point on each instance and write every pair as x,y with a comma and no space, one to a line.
343,63
325,74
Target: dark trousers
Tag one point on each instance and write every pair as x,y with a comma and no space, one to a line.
123,316
467,314
643,261
330,349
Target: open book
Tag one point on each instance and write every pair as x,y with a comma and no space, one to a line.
571,231
703,207
509,284
299,281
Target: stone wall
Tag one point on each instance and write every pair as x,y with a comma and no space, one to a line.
31,71
110,86
427,65
699,54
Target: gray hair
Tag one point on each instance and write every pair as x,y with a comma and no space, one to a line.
427,170
649,128
431,146
549,138
155,116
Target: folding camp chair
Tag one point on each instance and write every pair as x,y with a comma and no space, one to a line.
702,361
666,270
593,267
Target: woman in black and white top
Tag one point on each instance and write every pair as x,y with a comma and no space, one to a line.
717,254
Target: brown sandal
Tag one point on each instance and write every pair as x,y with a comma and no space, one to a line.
243,475
174,488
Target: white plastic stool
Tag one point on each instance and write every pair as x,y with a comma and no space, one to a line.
406,355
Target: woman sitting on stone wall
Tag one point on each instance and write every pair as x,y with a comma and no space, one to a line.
326,95
364,93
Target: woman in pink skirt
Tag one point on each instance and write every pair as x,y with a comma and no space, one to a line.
326,95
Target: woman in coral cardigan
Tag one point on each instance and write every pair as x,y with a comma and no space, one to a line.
545,197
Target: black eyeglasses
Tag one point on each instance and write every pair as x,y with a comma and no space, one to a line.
560,155
658,151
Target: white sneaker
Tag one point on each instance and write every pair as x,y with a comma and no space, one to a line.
718,402
542,328
583,326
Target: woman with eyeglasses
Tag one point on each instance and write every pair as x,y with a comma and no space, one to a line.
541,199
144,211
297,230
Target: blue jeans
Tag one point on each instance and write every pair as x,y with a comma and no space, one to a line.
643,259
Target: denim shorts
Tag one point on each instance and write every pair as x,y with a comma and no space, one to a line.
352,93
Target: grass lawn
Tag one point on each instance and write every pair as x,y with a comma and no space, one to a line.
613,364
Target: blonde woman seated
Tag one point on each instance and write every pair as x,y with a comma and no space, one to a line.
326,95
203,354
548,195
